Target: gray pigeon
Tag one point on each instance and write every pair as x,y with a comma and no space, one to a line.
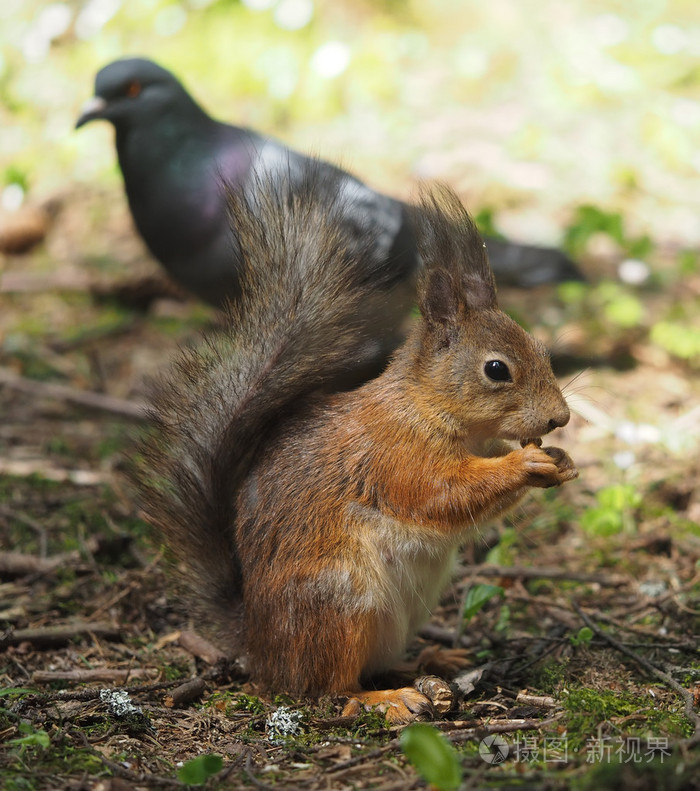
177,162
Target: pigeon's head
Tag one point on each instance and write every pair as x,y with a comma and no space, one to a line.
132,91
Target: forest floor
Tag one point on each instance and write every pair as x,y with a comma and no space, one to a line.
579,610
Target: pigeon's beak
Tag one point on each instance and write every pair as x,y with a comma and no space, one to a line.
92,109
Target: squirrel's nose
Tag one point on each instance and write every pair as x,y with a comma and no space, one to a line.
560,419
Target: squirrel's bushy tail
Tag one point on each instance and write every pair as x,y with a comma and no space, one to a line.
312,288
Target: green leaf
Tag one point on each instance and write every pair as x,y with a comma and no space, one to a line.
33,739
584,636
626,311
485,220
477,597
16,691
197,771
432,755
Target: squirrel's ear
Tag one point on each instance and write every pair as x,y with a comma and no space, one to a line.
479,290
439,303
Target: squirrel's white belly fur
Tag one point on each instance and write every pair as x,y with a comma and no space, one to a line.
400,570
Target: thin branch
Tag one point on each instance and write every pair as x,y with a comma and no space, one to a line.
86,398
190,690
533,572
86,675
48,636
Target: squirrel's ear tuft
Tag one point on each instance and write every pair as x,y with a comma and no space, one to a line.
448,239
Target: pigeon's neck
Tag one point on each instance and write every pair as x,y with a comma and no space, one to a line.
160,135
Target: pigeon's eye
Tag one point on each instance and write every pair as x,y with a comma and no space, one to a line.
133,89
497,371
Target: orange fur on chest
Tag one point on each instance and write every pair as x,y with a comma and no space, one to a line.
346,540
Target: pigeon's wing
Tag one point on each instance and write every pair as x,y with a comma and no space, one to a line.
365,211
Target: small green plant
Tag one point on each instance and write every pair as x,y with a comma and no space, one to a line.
432,755
31,738
583,637
197,771
249,703
476,598
485,220
679,340
590,220
613,513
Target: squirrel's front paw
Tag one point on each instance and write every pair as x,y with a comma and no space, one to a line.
547,467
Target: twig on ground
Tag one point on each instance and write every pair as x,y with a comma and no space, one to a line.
536,700
102,609
109,674
463,730
200,647
649,603
190,690
528,572
47,636
86,398
24,468
17,564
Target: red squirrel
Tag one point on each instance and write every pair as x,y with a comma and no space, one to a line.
318,529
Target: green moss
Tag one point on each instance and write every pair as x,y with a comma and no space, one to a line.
249,703
550,677
591,711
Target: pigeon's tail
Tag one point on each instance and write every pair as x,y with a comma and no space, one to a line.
309,299
527,266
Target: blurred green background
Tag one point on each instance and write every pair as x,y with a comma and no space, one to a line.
529,109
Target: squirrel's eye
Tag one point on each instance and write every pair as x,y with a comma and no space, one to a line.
497,370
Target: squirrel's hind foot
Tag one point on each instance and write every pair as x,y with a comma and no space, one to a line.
399,706
429,696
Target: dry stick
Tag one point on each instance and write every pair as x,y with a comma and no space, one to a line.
506,726
197,646
17,564
86,398
533,572
545,701
687,696
93,693
186,692
48,636
111,674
